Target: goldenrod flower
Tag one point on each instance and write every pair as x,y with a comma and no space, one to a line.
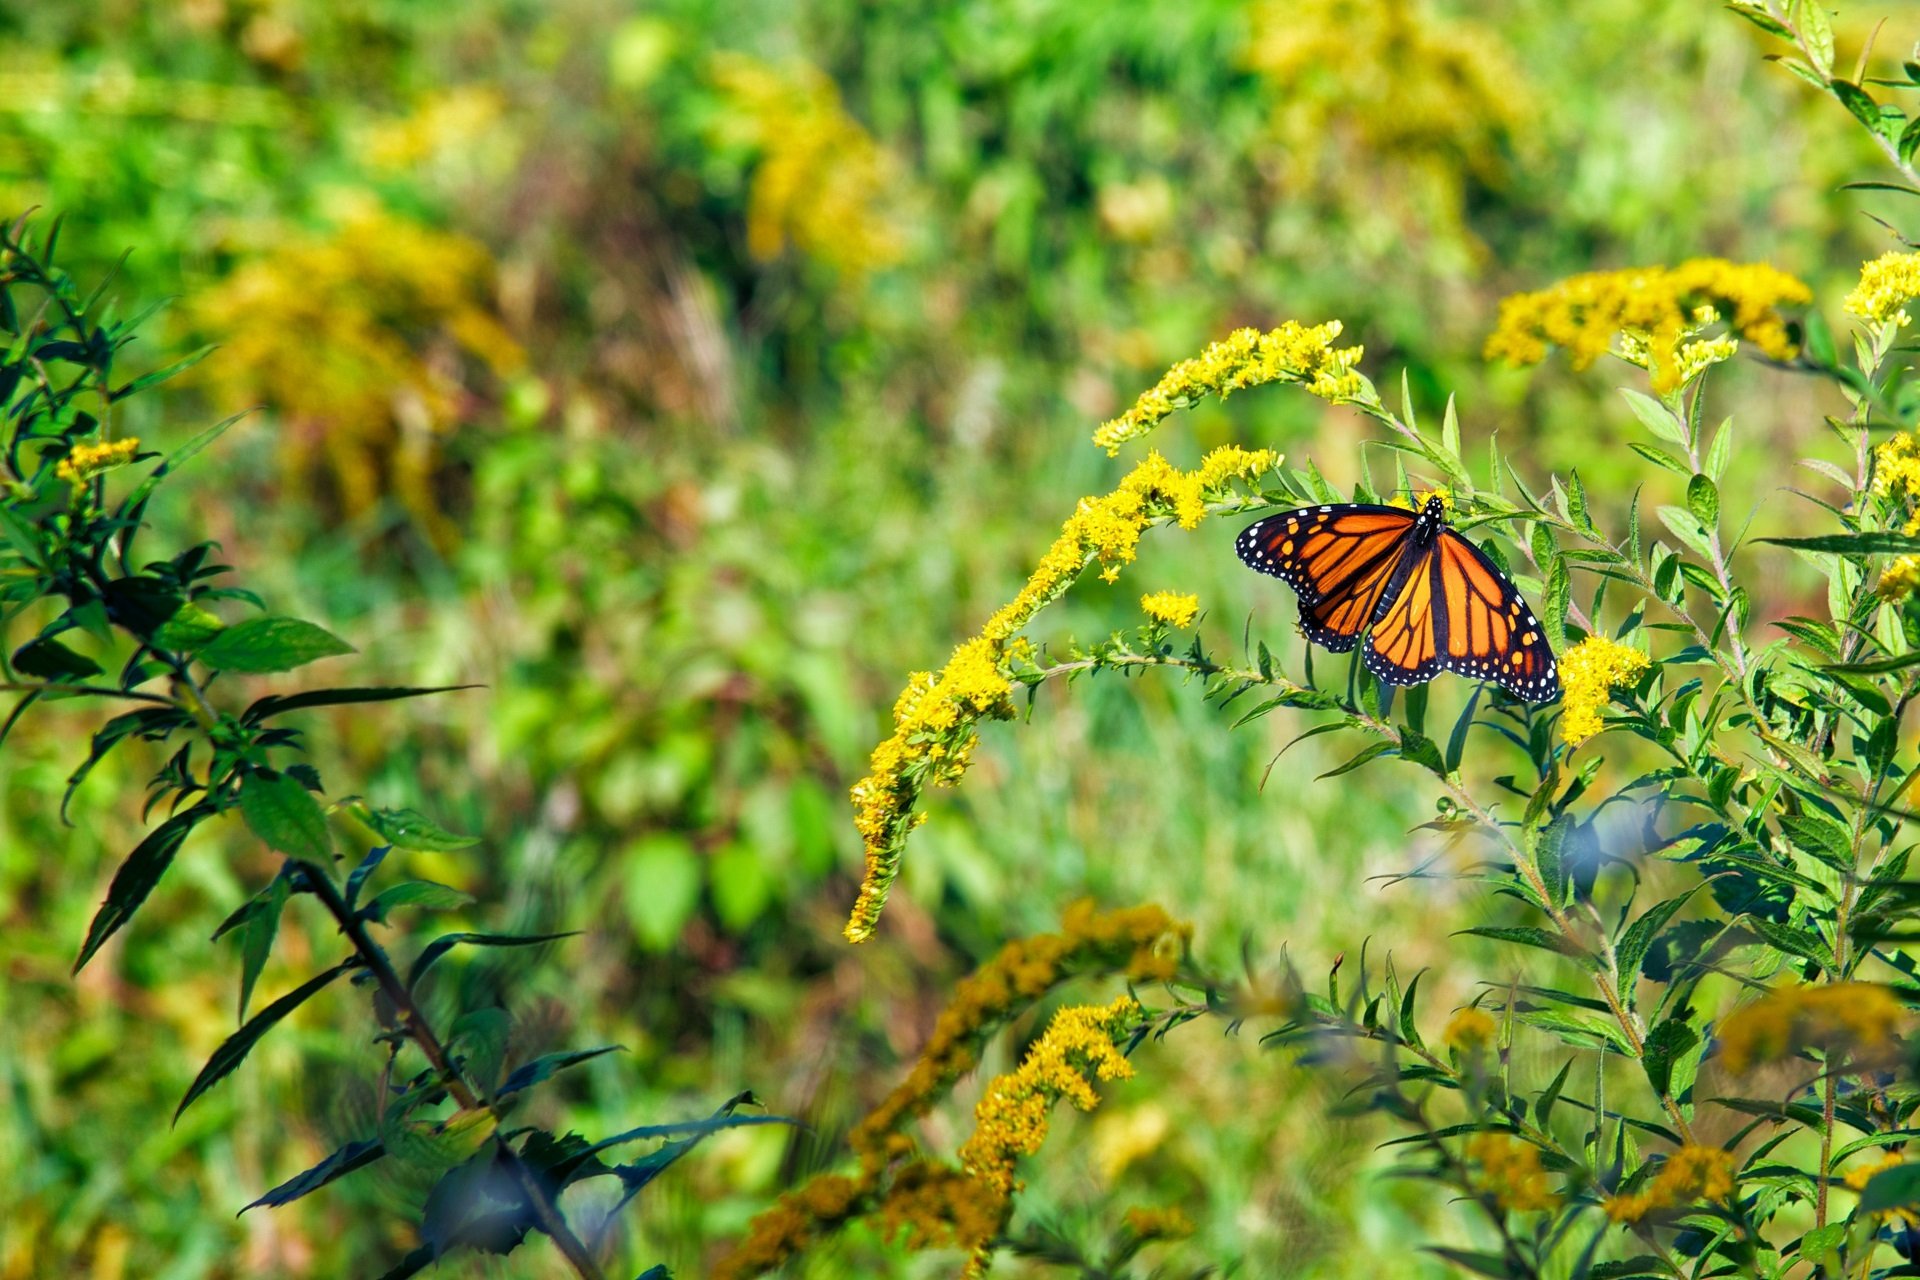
85,461
1886,285
1656,308
1899,579
941,711
1174,608
1293,352
1856,1018
1417,501
1696,357
1588,672
1860,1175
1690,1175
1159,1224
822,184
1510,1172
1471,1030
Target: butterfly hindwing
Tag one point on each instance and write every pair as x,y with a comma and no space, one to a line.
1484,628
1403,645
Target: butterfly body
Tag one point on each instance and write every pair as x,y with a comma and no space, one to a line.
1426,599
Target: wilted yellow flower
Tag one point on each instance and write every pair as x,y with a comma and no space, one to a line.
1656,307
941,711
1860,1175
822,184
1245,358
1856,1018
1588,672
1510,1172
85,461
1471,1029
1175,608
1690,1175
1159,1224
1886,285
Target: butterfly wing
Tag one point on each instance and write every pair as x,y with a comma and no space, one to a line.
1482,628
1338,558
1404,645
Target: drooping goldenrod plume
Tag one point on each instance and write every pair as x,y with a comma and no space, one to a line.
1887,285
1510,1172
1653,310
1589,672
1081,1044
1690,1175
1854,1018
1296,353
822,182
935,718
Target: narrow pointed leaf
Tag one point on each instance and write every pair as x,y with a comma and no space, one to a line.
238,1045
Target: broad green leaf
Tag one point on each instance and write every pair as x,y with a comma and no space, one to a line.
1655,416
1665,1045
189,629
1810,16
137,876
1801,941
410,829
48,659
1858,101
238,1045
261,645
1894,1188
285,815
1631,951
355,1155
1703,500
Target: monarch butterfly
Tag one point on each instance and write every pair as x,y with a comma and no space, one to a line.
1430,600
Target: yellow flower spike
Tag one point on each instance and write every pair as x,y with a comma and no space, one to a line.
1471,1030
1293,352
1653,310
85,461
977,683
1886,285
1589,672
1511,1173
1852,1017
1174,608
1690,1175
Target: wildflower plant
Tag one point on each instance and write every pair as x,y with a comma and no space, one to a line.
1697,1060
94,618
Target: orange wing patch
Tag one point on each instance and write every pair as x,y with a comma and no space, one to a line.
1486,630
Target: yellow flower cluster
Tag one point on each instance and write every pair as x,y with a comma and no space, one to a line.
1657,308
1158,1224
934,720
1588,671
1416,501
926,1204
1471,1030
1296,353
1510,1172
1690,1175
1856,1018
1887,285
1175,608
822,184
1696,357
1899,579
85,461
1860,1175
1896,476
351,335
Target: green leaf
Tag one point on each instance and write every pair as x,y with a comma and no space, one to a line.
1894,1188
1457,740
1720,452
478,1042
1655,417
544,1068
1810,16
424,894
361,873
1480,1264
1577,511
410,829
1858,101
285,815
440,946
1527,936
1909,140
1853,544
189,629
1821,837
1664,1046
137,876
1878,667
238,1045
1366,754
1801,942
259,923
355,1155
1703,500
278,704
48,659
261,645
1760,18
1631,951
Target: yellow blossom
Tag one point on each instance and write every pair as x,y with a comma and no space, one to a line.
976,683
1175,608
1588,671
1856,1018
1471,1030
822,184
1899,579
1293,352
1860,1175
1886,285
1159,1224
1416,501
1510,1172
1690,1175
1656,308
1696,357
85,461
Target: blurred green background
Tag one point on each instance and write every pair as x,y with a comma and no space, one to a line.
687,373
